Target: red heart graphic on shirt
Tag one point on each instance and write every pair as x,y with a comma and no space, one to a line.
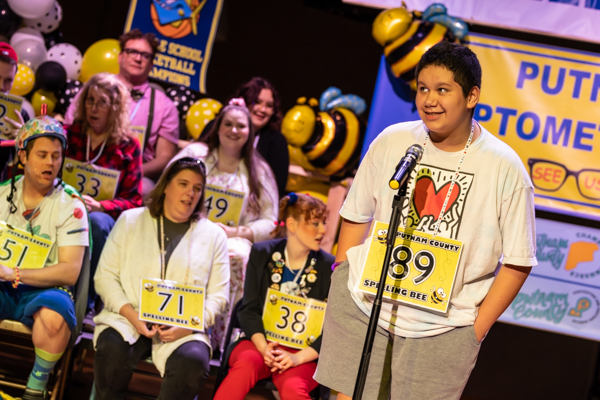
428,201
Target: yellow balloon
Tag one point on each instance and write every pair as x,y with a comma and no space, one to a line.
102,56
297,157
200,114
24,80
391,24
40,97
298,124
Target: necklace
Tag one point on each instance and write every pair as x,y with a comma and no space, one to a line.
289,265
163,252
454,177
87,150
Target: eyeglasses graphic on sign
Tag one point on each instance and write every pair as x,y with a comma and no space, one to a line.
550,176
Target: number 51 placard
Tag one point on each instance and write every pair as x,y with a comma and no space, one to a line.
19,248
170,303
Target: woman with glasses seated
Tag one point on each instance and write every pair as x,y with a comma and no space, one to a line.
292,264
103,161
241,192
169,240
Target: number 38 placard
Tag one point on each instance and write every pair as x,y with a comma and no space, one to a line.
92,180
292,321
169,303
422,268
18,248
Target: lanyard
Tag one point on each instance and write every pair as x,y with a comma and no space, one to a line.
289,266
163,252
135,110
87,150
454,177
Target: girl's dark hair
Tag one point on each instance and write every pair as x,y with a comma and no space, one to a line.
249,155
156,198
296,205
250,92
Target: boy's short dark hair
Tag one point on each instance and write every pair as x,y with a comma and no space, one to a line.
137,34
458,59
8,60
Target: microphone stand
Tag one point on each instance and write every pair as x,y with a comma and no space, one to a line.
389,241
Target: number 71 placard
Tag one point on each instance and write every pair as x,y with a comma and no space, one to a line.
170,303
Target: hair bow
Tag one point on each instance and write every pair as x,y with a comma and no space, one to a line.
237,101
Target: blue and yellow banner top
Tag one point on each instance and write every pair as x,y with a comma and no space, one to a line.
541,100
186,30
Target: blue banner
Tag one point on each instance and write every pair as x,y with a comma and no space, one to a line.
186,30
562,293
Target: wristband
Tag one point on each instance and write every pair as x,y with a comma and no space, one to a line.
335,265
17,280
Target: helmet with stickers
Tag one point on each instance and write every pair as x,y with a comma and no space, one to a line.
42,125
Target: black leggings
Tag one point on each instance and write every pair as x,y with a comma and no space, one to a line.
185,372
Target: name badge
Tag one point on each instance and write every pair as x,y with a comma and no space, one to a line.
92,180
18,248
421,272
139,132
223,205
8,105
292,321
170,303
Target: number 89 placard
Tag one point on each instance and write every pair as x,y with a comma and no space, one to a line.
421,271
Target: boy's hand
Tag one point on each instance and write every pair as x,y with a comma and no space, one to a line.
7,274
169,334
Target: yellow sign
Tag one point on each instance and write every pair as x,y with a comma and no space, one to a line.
223,205
170,303
8,105
537,98
422,268
92,180
292,321
19,248
139,132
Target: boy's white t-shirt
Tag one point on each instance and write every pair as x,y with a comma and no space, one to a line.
59,214
491,211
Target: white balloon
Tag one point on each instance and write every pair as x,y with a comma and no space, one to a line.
29,108
26,33
30,8
47,22
30,52
68,56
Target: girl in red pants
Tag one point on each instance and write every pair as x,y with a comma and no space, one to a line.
292,264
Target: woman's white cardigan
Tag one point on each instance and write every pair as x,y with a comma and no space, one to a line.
132,252
261,224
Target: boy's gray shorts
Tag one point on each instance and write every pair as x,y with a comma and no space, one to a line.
431,368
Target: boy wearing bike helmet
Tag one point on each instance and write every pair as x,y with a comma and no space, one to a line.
39,211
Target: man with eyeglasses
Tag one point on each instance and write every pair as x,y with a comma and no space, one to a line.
152,112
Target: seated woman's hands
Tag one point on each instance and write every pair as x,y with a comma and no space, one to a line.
283,360
172,333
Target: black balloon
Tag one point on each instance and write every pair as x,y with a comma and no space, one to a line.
50,76
182,97
67,94
9,21
52,38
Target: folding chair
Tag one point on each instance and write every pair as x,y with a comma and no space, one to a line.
16,329
320,392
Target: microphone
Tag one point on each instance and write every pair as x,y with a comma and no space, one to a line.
406,166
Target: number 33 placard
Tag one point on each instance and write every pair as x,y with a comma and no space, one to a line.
97,182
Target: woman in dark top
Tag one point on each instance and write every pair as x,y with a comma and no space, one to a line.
264,105
294,265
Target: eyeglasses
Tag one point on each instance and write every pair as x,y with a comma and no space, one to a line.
193,162
133,53
550,176
100,103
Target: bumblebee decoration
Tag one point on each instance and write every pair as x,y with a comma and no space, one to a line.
69,167
325,136
438,296
273,299
406,36
310,340
195,320
149,287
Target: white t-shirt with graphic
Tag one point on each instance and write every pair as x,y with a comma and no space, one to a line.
490,210
61,219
